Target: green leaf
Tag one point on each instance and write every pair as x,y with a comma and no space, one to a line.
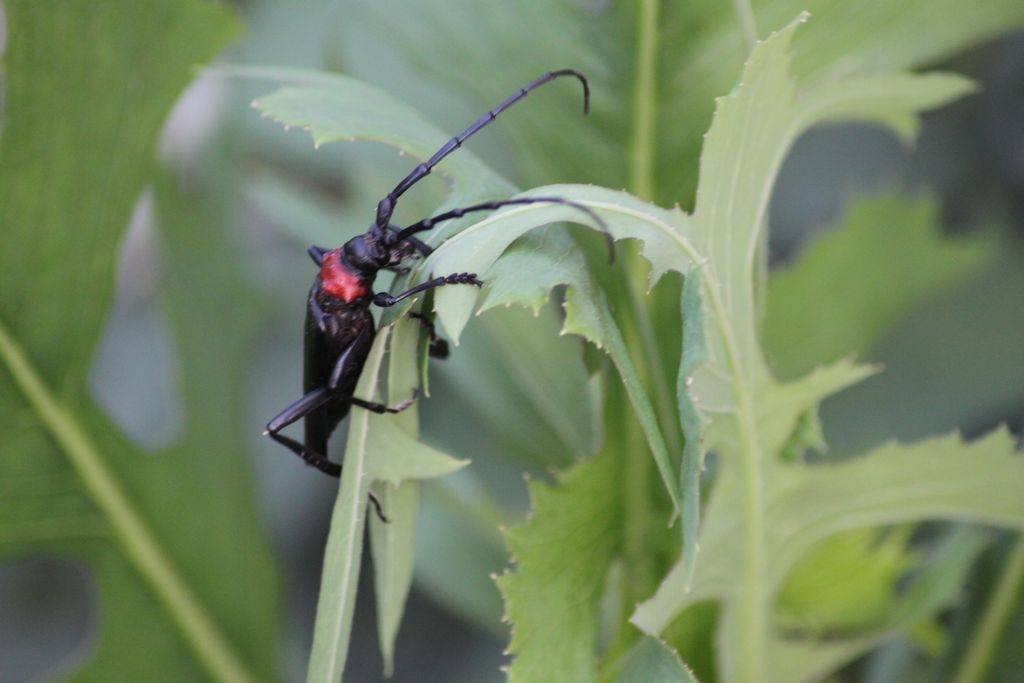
662,234
844,584
336,601
587,312
393,546
941,478
653,661
936,587
393,543
693,355
562,556
333,107
173,539
886,256
397,456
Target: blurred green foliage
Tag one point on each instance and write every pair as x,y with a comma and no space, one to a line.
184,575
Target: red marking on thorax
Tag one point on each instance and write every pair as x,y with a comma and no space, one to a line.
338,281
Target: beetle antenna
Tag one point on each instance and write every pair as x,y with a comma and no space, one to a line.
386,206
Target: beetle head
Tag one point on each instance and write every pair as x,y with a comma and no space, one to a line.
366,253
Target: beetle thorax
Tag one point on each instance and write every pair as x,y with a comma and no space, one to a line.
338,279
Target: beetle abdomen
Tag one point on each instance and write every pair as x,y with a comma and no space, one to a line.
330,330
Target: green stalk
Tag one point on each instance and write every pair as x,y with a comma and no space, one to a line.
642,183
753,607
641,160
745,17
636,458
137,541
978,658
628,446
753,603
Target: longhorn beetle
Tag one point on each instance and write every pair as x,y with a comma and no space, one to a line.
339,328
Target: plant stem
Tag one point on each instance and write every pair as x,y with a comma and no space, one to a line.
752,611
641,160
628,446
978,658
137,541
745,17
642,183
753,621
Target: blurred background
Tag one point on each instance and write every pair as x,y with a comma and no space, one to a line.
955,361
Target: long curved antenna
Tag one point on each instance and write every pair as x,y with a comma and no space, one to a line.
428,223
386,206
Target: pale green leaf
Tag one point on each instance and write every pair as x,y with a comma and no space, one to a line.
652,661
392,544
737,174
394,455
941,478
336,602
397,457
476,249
753,417
781,407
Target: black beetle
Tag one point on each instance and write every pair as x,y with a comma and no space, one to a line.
339,326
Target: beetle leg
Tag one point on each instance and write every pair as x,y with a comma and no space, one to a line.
303,407
293,413
384,299
438,346
420,245
379,408
377,506
365,335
